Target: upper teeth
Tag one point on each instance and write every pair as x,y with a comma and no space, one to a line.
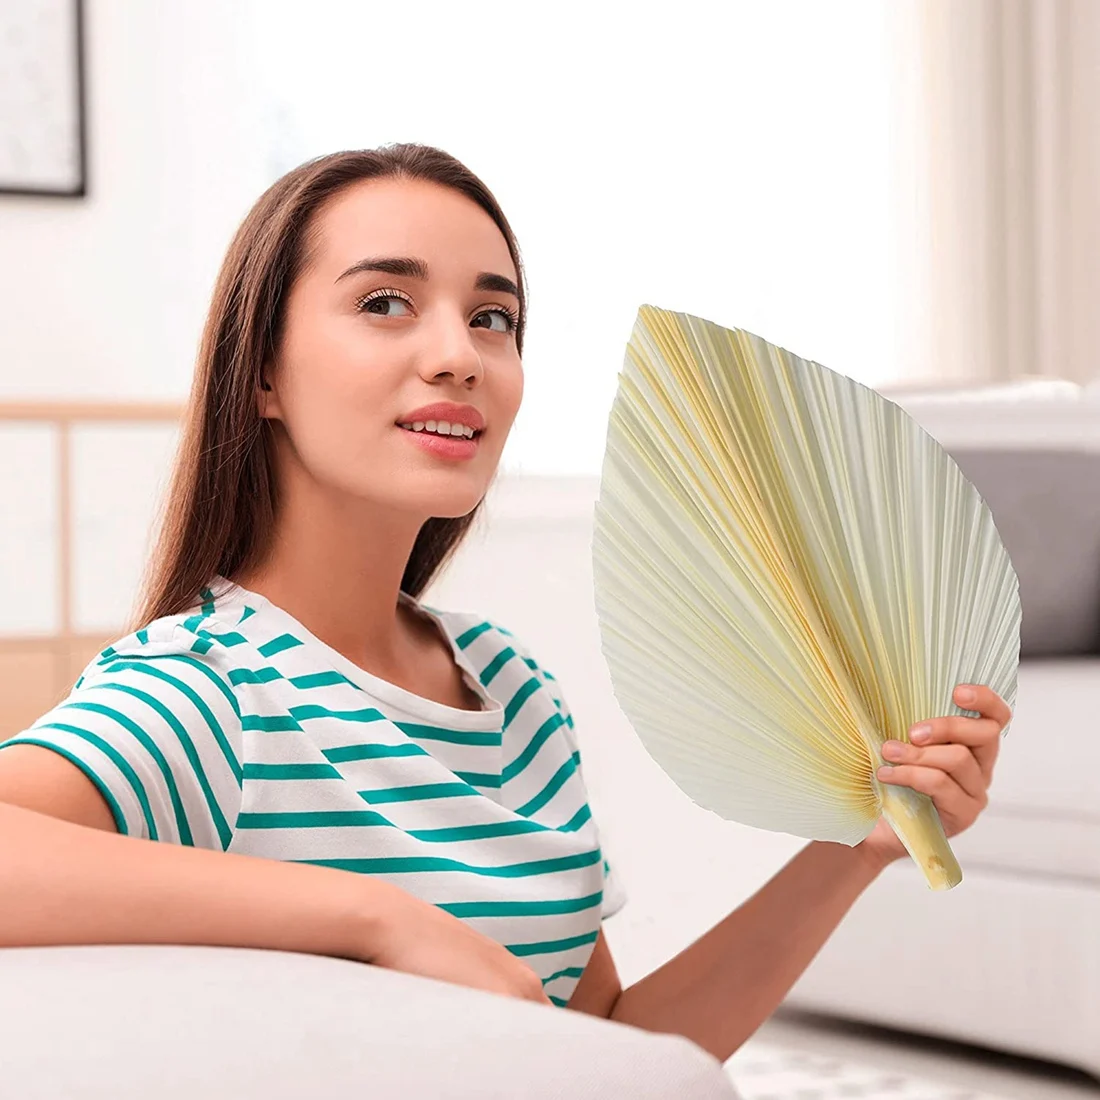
440,427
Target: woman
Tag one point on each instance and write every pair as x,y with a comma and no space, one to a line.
339,769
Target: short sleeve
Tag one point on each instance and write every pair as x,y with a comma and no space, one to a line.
614,895
156,726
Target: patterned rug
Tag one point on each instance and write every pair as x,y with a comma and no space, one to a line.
764,1071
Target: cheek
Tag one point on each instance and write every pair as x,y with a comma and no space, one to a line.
335,414
511,393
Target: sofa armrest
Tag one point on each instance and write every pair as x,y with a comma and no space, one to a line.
180,1022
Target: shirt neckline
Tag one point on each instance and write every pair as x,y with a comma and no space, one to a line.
431,711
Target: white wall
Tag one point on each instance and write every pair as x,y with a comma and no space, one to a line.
732,160
741,174
104,296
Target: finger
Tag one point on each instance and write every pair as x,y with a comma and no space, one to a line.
985,701
951,801
957,760
981,735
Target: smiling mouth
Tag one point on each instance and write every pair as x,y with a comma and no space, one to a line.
430,428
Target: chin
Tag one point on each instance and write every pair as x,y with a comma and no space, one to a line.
445,501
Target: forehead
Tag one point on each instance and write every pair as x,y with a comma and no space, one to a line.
392,217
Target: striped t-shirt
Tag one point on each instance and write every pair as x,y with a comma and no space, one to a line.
230,726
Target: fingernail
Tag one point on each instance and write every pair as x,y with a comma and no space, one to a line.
891,750
966,695
884,772
920,733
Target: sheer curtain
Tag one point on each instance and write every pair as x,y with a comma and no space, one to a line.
999,197
735,161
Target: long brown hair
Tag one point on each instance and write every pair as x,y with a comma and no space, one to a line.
219,514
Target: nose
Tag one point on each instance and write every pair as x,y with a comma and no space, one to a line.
450,350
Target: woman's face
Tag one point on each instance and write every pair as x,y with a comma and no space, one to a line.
363,349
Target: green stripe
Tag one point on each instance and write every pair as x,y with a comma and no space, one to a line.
522,908
197,701
143,637
306,711
277,645
551,788
496,664
453,737
347,753
247,613
254,676
465,638
321,679
201,667
479,779
202,645
153,749
311,819
559,1001
532,747
208,601
548,947
577,820
519,699
85,767
404,865
269,723
225,834
118,760
478,832
291,771
568,972
420,792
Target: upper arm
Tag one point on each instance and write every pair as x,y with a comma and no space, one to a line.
151,734
40,779
599,987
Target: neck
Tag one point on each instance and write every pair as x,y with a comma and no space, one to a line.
335,563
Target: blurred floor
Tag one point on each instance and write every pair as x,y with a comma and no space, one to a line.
802,1056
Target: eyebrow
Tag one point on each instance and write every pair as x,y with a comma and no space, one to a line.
411,267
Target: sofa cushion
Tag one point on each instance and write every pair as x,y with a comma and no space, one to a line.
1046,507
1043,815
1032,450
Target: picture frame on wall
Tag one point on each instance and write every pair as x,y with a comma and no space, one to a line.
42,113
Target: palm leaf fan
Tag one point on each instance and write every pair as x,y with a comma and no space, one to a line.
788,572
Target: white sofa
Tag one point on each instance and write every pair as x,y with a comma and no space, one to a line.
184,1023
1010,959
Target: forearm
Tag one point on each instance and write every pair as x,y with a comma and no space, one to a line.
62,883
718,991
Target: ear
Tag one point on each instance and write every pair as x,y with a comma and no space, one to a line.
267,402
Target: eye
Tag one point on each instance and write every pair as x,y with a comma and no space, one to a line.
508,318
377,300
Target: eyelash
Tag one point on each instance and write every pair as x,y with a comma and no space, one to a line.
511,315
